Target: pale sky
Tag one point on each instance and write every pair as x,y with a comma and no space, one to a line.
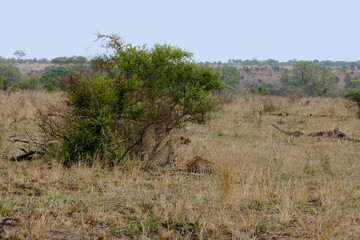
212,30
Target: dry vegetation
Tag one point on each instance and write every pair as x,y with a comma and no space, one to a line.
269,185
266,76
33,69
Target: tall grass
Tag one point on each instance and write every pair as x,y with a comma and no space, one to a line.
269,185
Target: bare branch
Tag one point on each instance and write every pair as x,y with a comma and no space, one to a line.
29,220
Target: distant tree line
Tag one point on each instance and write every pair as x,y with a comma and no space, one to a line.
305,77
12,79
57,60
272,62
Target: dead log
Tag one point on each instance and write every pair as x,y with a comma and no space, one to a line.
296,133
26,156
4,222
336,133
41,149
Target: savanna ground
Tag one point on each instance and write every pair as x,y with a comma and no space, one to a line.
269,185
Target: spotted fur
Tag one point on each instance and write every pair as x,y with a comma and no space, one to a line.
167,155
200,165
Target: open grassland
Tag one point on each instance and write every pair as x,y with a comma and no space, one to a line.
269,185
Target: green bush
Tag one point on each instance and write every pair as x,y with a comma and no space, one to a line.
70,60
4,82
31,83
231,77
10,72
309,79
355,84
354,95
56,73
260,91
134,101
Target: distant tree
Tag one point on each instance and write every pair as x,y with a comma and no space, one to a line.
52,85
7,61
355,84
270,62
231,77
75,64
43,60
11,72
354,95
19,53
56,73
31,83
4,82
70,60
309,79
260,91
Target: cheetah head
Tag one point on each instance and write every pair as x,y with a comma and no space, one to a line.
185,140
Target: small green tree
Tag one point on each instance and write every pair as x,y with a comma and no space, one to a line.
4,82
52,85
309,79
231,77
19,53
354,95
54,74
70,60
355,84
134,101
31,83
260,91
10,72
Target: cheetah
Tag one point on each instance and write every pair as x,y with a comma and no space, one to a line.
167,155
200,165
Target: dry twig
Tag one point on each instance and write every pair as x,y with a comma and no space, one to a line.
29,220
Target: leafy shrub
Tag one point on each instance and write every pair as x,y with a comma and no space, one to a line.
4,82
133,102
70,60
56,73
31,83
269,108
355,84
231,77
354,95
52,85
309,79
10,72
260,91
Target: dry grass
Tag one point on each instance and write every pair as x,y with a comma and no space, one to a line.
268,77
269,185
33,69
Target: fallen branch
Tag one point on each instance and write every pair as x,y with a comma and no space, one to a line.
12,139
29,220
296,133
28,155
41,148
4,222
336,133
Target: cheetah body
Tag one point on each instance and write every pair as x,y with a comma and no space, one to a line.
201,165
167,155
